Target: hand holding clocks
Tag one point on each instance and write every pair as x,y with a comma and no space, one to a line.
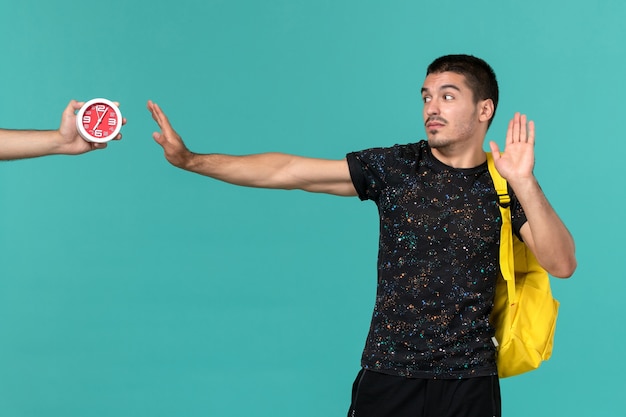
99,120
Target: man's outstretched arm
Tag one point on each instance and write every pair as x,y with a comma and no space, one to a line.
266,170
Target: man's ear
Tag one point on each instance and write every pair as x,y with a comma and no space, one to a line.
486,110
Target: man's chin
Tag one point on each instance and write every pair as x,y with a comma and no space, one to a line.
437,142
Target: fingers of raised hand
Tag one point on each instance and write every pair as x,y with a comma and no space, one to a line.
495,149
520,129
531,132
159,116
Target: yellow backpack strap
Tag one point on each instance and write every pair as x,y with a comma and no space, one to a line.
504,200
507,264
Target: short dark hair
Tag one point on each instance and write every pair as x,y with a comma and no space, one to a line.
480,77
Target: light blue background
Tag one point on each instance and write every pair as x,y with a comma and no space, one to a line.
131,288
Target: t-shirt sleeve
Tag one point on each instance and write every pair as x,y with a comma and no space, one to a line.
518,217
367,173
372,170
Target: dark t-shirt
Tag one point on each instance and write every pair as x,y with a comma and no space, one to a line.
437,263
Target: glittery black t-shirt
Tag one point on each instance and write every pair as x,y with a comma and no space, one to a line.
437,263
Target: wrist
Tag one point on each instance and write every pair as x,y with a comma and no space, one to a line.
524,185
186,160
62,145
58,144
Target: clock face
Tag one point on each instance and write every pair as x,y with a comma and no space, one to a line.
99,120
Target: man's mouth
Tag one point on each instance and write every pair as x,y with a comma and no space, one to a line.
435,123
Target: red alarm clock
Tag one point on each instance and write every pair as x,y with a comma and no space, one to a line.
99,120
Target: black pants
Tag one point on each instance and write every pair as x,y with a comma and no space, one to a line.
379,395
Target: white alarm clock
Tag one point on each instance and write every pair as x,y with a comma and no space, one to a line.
99,120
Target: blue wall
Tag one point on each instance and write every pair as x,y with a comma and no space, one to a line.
130,288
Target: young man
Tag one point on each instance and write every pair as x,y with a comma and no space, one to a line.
429,350
20,144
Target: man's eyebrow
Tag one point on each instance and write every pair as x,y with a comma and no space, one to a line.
443,87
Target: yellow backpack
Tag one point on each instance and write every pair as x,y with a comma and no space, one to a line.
524,312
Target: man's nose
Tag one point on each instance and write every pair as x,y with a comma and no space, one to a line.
431,107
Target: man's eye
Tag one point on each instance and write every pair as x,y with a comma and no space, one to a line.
426,99
448,97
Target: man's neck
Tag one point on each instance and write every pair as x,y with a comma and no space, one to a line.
460,157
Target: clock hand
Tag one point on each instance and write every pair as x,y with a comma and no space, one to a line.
99,119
